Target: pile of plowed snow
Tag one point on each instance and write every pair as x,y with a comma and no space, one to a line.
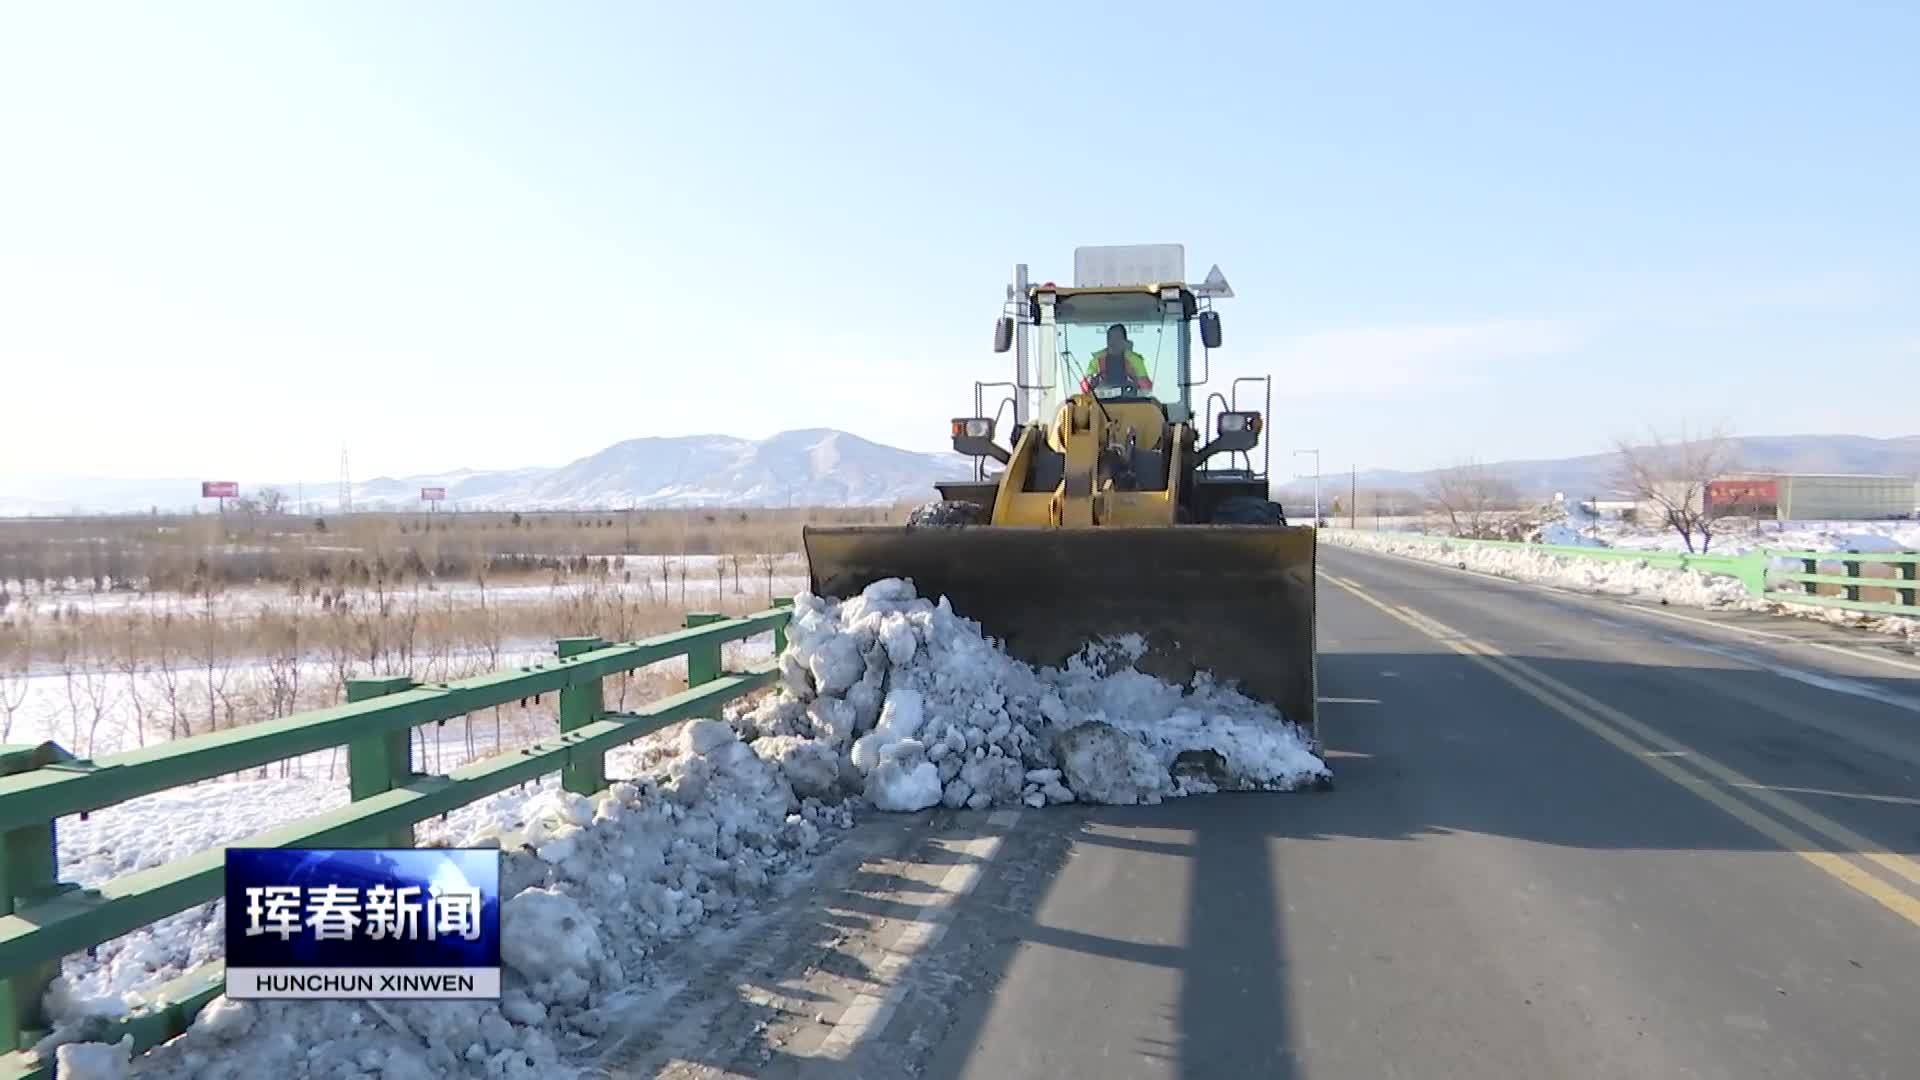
887,698
591,887
904,701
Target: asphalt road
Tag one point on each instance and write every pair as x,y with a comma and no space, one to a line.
1497,888
1570,837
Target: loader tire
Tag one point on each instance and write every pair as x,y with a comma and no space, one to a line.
1247,510
948,514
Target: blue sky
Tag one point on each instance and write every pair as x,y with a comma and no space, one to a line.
234,236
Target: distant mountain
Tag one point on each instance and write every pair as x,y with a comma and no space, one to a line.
813,467
1595,474
824,467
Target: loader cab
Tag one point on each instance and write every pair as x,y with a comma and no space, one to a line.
1133,336
1129,343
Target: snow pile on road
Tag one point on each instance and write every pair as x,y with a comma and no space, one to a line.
1617,577
887,699
592,884
899,698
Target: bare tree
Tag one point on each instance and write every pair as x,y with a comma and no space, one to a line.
127,662
1670,476
97,683
210,655
166,668
66,656
281,633
272,500
492,638
16,664
1470,495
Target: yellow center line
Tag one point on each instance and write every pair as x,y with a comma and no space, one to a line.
1569,702
1762,793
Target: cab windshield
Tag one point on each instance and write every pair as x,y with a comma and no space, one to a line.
1117,345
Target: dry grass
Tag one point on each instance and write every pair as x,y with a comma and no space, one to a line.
170,664
190,553
188,669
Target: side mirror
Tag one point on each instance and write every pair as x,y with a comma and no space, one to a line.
1239,432
1210,329
1003,334
973,437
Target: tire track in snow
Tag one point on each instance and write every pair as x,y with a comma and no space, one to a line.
870,1011
808,987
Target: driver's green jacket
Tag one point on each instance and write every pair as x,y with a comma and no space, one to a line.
1136,365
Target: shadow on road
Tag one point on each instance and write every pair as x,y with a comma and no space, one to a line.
1425,744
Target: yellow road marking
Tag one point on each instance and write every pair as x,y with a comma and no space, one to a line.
1807,816
1764,793
1549,692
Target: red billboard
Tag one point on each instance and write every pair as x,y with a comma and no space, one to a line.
1755,495
432,494
219,489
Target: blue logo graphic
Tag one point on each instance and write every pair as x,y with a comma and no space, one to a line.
363,908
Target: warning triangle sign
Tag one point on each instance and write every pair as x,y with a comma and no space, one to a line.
1215,284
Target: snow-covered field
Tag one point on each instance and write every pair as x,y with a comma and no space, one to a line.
97,713
1616,577
667,579
886,702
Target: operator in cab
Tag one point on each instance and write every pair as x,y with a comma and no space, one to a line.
1105,367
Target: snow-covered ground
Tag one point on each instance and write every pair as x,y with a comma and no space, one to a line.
1737,538
1616,577
668,579
97,713
1619,577
886,701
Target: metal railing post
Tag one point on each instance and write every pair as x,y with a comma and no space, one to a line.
703,661
29,872
780,632
580,705
1853,570
380,763
1907,593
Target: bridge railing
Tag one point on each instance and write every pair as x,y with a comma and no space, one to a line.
1880,583
43,920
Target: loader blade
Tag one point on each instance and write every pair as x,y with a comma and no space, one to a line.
1237,601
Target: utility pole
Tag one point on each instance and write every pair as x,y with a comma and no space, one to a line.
1316,483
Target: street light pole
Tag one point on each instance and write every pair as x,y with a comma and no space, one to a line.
1316,483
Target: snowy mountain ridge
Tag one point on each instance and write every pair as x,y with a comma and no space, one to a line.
809,467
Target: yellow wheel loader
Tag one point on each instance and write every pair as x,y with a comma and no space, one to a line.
1115,506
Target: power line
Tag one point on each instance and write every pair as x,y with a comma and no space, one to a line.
346,482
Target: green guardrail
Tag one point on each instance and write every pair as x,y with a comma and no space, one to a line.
1761,567
43,920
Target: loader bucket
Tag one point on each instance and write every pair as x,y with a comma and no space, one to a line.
1234,600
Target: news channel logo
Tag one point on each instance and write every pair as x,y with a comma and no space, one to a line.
363,923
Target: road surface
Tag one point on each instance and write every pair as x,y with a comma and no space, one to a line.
1571,837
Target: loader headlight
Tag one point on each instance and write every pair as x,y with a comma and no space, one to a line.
1234,422
973,428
